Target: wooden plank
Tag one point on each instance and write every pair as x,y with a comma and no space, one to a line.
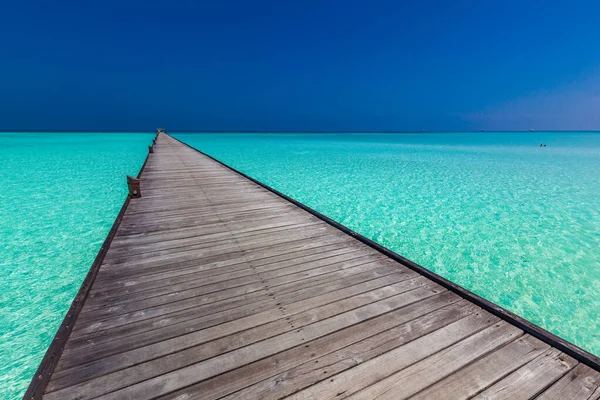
211,226
280,318
236,270
404,384
350,257
134,386
195,200
197,317
371,371
193,259
192,219
174,275
211,240
473,379
476,377
225,246
205,230
167,240
292,370
107,310
581,383
153,330
205,209
531,379
233,296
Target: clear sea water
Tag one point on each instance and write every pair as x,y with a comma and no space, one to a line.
492,212
59,195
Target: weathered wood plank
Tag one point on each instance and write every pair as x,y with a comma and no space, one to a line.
242,263
236,270
531,379
250,347
109,309
332,302
192,219
378,368
581,383
153,330
217,226
223,241
229,297
192,259
402,384
223,247
204,230
252,274
476,377
292,370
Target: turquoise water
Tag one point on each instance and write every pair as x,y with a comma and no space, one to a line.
59,195
493,212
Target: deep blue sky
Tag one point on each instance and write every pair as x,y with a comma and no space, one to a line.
299,65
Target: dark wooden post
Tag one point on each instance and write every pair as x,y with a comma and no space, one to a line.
134,187
150,149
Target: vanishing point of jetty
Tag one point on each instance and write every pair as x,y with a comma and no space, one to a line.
212,286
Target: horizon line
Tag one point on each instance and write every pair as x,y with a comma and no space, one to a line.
295,131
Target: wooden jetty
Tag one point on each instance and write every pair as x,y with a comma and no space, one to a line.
211,286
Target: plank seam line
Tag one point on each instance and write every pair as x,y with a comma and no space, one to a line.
452,302
181,268
290,293
238,265
381,378
129,301
270,293
123,250
285,332
211,272
113,267
346,296
480,357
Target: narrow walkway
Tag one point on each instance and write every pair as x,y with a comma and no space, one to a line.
216,288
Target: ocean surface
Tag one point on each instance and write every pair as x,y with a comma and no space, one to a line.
59,195
514,222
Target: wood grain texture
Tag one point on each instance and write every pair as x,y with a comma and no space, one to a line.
531,379
216,288
476,377
403,384
581,383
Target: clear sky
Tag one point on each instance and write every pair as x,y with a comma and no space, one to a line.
299,65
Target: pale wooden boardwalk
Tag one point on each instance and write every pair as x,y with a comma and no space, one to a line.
215,288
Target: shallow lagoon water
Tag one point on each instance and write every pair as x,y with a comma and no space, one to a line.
514,222
59,195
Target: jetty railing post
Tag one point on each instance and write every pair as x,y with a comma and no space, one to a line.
134,187
151,149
